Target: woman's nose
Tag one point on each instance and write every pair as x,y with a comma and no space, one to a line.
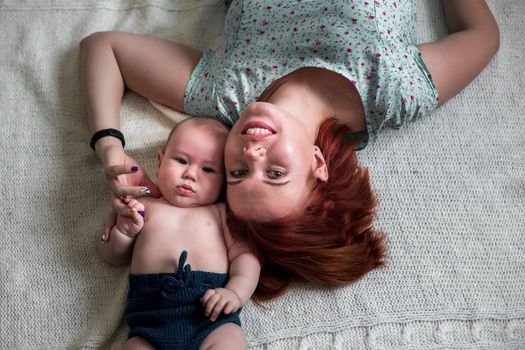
254,152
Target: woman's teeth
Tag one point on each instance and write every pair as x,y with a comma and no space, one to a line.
258,131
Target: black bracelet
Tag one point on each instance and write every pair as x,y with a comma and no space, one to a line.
106,132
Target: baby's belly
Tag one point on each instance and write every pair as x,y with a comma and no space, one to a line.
156,253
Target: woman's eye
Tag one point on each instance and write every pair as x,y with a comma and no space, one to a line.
275,174
181,161
208,170
238,173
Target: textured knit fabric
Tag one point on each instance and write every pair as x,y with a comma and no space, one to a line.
165,308
372,44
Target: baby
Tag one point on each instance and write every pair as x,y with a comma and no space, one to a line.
170,304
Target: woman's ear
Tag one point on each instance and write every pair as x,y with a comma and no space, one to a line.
319,168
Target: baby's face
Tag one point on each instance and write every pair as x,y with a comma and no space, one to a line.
191,170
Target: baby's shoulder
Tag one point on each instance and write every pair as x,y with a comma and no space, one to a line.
148,200
155,204
210,211
220,207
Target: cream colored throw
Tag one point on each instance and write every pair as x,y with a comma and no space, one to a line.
452,191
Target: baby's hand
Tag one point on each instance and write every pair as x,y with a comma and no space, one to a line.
131,225
220,300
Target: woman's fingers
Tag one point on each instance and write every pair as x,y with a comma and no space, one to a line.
151,186
122,180
120,169
120,190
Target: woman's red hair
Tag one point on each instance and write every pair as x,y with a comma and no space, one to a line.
331,241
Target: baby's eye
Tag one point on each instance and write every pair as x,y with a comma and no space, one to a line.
238,173
275,174
181,161
208,170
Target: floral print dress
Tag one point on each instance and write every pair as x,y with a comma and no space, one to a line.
371,43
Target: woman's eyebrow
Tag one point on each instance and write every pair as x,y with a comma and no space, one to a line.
276,183
233,183
271,183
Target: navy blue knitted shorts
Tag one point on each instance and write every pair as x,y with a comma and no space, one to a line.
165,308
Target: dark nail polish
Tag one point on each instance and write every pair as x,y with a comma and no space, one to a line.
134,169
145,192
141,212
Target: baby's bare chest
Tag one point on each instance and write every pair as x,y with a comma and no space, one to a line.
168,231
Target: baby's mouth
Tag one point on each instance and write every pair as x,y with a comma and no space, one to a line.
185,190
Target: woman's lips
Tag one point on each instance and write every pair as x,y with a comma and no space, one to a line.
257,130
257,125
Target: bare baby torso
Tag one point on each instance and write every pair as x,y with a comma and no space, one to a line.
169,230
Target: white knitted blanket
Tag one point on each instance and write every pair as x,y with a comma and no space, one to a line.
452,191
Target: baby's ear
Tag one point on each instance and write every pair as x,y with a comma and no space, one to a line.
160,154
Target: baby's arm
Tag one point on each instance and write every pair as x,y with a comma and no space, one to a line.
118,249
244,276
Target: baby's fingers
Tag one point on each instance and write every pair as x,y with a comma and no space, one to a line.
211,304
230,308
138,219
133,204
138,208
206,296
121,208
217,309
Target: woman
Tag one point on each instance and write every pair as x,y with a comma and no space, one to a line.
304,84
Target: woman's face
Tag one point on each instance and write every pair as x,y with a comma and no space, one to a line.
269,161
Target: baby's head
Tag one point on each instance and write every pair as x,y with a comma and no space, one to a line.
191,163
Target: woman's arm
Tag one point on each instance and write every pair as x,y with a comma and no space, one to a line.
457,59
154,68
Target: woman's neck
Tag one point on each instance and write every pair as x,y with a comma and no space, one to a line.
297,99
316,94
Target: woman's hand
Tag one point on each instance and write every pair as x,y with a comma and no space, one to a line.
129,180
123,174
122,208
126,179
